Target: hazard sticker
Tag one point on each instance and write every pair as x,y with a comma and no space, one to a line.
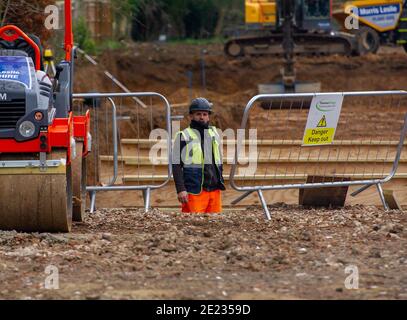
323,119
322,123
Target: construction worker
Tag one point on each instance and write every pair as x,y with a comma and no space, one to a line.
197,162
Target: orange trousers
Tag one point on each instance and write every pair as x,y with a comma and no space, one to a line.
206,202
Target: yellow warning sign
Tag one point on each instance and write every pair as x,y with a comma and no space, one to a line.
319,136
322,123
323,118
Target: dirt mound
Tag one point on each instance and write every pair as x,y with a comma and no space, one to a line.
182,72
164,68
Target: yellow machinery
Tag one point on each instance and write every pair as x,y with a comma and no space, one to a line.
49,63
262,12
289,28
379,22
307,22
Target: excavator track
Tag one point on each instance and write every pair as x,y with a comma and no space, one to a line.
306,44
33,200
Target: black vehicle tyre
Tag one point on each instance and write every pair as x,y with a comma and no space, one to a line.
368,40
234,49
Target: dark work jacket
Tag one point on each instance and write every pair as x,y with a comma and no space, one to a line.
213,179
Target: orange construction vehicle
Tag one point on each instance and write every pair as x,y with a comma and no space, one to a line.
42,145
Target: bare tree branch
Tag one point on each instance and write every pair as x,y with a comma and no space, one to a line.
5,13
27,14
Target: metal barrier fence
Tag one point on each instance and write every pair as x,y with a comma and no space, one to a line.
119,116
366,150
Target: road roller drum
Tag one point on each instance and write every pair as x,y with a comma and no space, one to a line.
34,198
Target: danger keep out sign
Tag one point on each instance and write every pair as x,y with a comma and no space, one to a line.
322,120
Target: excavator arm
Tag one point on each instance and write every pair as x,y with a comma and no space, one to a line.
300,27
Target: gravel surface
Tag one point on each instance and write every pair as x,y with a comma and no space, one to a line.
127,254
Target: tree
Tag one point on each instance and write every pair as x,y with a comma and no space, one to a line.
223,6
149,18
200,19
123,11
4,6
176,9
183,18
27,15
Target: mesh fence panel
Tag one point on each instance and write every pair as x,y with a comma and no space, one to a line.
365,144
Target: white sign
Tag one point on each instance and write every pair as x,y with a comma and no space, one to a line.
383,16
323,119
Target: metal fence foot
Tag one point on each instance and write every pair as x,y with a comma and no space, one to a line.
146,196
242,197
264,205
380,190
355,193
92,196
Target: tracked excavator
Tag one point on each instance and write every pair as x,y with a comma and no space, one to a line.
289,28
271,22
43,146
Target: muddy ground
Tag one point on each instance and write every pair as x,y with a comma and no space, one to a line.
300,254
127,254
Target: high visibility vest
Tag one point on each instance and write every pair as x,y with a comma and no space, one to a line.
194,160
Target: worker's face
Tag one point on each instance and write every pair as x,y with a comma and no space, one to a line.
200,116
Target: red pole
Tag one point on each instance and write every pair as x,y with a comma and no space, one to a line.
68,30
331,8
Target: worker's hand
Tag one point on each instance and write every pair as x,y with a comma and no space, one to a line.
183,197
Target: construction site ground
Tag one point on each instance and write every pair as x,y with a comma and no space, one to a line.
129,254
299,254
